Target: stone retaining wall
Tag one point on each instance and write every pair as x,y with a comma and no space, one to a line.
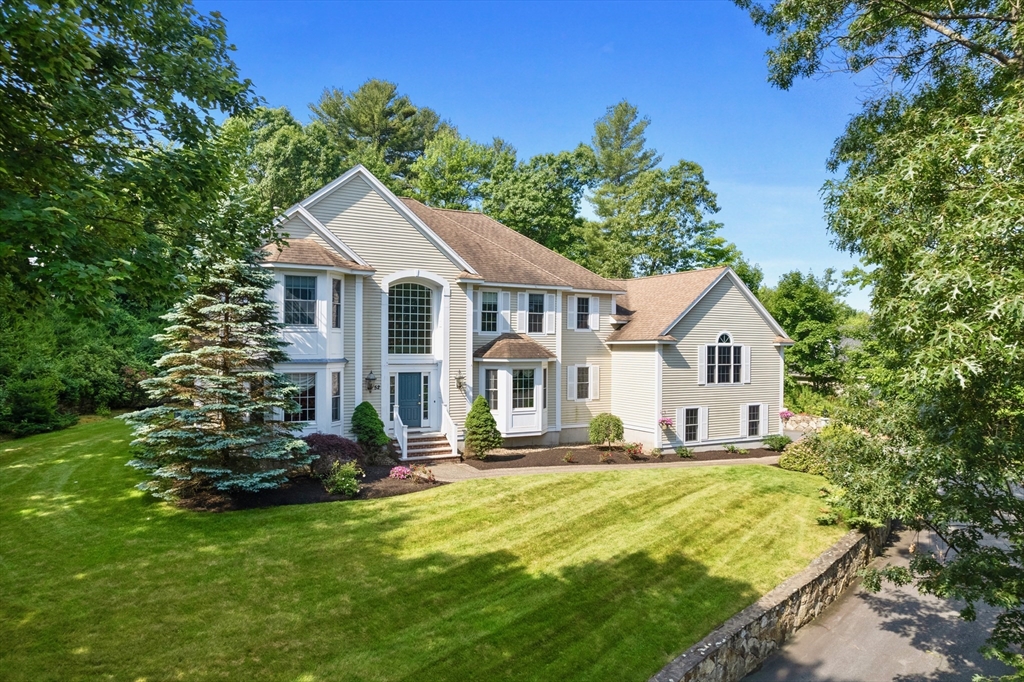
805,422
747,639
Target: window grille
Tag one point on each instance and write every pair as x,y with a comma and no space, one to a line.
410,323
299,300
306,398
522,388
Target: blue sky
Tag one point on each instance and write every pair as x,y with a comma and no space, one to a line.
539,74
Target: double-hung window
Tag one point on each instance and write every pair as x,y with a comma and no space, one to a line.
582,312
582,383
489,312
335,396
491,388
535,314
336,303
753,420
522,389
691,424
299,300
724,362
306,398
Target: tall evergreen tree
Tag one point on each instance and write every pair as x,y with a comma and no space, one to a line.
376,126
215,428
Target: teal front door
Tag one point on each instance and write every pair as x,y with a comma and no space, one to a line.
410,408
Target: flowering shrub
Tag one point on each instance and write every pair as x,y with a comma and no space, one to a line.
667,422
568,458
605,458
400,472
785,414
633,450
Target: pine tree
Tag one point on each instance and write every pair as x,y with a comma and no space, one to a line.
215,428
482,433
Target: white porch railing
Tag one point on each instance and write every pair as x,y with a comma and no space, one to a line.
450,431
401,433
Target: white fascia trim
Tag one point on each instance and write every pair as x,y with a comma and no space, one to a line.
543,287
318,268
325,233
395,203
521,361
652,342
743,289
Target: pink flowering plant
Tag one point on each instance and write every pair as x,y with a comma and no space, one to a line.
667,422
785,414
400,472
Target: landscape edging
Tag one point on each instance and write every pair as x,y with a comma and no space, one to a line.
746,640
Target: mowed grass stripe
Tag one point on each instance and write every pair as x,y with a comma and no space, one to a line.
569,577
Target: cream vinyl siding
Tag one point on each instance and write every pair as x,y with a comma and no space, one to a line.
724,308
348,322
633,379
583,348
296,228
389,242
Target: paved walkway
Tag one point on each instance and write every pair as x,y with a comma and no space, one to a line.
451,471
895,634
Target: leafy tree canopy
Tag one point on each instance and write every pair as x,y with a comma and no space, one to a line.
812,312
107,148
453,171
929,195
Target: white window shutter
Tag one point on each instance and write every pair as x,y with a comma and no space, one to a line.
764,419
549,314
521,313
702,364
703,424
595,313
744,413
570,314
746,364
506,320
681,424
595,382
571,378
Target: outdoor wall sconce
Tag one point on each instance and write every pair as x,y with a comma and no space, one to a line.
460,380
371,383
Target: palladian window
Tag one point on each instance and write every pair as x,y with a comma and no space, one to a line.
409,319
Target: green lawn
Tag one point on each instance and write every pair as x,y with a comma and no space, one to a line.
586,577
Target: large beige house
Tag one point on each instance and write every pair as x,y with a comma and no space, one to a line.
419,310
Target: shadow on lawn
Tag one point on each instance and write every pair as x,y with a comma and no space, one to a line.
341,591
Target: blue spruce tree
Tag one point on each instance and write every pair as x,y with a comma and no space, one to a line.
216,428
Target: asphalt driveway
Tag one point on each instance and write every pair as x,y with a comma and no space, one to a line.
896,634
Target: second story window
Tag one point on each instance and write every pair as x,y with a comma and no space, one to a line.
336,303
489,312
724,362
410,319
535,314
583,312
299,300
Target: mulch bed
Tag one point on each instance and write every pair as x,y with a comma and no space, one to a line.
507,458
308,490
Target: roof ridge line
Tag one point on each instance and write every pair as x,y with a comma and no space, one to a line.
499,246
665,274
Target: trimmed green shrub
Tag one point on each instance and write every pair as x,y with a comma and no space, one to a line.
605,428
684,453
368,427
482,433
343,479
805,455
776,442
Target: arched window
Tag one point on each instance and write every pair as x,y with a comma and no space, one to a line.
410,319
724,362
